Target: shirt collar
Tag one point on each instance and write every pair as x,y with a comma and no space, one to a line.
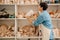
44,11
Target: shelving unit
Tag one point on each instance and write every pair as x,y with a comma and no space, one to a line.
15,8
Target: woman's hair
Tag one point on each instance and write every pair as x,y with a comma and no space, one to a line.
44,5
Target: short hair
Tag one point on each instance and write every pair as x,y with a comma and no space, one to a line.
44,5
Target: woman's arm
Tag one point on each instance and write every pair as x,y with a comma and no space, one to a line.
39,20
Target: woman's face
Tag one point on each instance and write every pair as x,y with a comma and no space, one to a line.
40,8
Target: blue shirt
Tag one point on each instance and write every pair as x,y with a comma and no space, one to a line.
45,19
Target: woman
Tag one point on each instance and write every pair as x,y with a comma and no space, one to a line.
44,19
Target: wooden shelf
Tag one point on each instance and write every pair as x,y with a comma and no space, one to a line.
7,4
55,18
54,4
7,18
22,5
7,37
28,4
21,18
29,37
57,37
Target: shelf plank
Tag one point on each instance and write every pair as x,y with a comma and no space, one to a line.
7,18
28,4
7,37
29,37
55,18
21,4
56,37
54,4
7,4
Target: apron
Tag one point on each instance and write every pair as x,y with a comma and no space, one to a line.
45,33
